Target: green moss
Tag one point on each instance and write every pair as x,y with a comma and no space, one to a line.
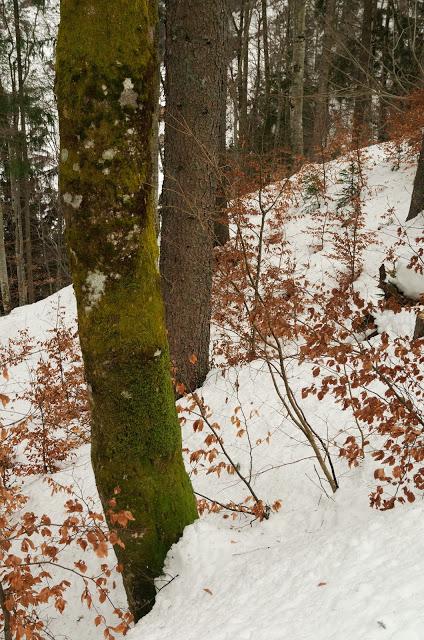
136,439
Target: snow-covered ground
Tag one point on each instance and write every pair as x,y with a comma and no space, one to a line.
323,567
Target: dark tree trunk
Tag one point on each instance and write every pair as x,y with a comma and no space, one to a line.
298,78
195,64
243,72
267,73
362,110
321,102
4,277
7,630
23,152
417,200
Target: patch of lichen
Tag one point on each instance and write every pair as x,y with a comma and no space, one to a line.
130,314
114,192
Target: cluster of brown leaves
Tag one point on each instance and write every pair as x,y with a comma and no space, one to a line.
266,308
31,547
56,420
55,424
405,124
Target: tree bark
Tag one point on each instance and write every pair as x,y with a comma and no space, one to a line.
107,77
267,74
321,103
195,64
7,629
4,278
363,107
417,199
23,153
17,222
298,74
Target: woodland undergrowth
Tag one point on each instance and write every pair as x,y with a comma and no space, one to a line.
268,309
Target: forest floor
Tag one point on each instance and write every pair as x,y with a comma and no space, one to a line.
324,567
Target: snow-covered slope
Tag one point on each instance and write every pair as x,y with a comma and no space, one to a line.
322,568
77,621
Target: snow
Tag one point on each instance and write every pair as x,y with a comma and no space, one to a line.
73,201
39,319
109,154
323,567
408,281
95,286
344,572
128,96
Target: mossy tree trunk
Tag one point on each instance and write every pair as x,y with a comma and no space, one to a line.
106,87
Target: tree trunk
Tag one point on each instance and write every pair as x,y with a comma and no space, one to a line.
7,630
61,275
17,221
363,107
4,278
243,72
298,74
321,103
383,106
221,227
267,73
417,199
195,64
23,153
107,77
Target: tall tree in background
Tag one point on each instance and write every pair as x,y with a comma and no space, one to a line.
267,74
195,69
320,130
362,110
28,150
107,88
298,75
246,8
4,276
22,147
